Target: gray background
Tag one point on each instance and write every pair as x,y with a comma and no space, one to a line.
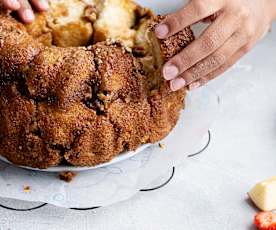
209,192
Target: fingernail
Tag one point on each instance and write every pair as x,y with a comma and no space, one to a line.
14,4
177,84
44,4
162,31
28,15
194,86
170,72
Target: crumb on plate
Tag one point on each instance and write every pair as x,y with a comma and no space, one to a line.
161,146
67,176
27,188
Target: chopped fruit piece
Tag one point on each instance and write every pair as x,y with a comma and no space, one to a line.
67,176
264,194
265,221
27,188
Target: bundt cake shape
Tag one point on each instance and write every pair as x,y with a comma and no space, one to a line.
82,102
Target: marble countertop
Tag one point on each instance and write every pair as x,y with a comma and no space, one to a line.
209,192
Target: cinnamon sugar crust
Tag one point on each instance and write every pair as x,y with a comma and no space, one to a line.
84,105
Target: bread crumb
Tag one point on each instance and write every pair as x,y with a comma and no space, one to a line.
27,188
67,176
161,146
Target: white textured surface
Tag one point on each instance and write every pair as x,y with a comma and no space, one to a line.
210,191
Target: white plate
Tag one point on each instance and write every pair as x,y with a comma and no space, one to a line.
117,159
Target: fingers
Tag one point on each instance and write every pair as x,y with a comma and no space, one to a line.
25,12
177,84
193,12
11,4
214,37
196,75
215,60
218,71
40,5
24,9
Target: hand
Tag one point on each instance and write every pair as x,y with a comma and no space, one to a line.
236,26
24,8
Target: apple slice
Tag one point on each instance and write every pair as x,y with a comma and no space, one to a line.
263,194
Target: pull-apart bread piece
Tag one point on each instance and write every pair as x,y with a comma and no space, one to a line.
82,83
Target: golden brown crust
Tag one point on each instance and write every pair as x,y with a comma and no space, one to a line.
17,48
79,105
165,110
19,141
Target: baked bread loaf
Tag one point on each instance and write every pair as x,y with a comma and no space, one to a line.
82,83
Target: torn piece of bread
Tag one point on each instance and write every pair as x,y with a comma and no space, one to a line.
80,23
115,20
66,23
154,52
